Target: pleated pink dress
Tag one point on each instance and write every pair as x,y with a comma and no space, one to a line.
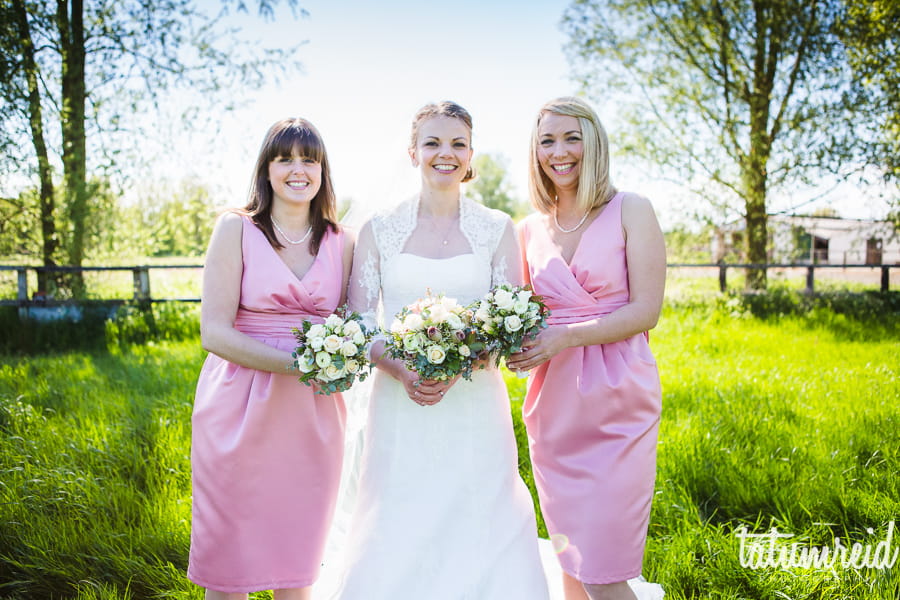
592,412
266,451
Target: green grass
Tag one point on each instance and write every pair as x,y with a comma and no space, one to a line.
788,421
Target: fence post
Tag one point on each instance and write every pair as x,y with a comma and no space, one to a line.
885,278
723,284
22,294
141,284
810,279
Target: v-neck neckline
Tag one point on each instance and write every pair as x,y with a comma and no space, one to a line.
299,278
559,250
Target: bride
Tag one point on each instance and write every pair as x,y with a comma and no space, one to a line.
441,511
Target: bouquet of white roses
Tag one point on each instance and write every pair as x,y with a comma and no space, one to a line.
435,338
332,354
506,316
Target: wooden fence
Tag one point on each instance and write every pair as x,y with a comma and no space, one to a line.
142,288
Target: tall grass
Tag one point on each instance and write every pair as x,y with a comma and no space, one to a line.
786,421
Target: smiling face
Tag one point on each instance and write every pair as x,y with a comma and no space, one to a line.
442,151
295,179
560,150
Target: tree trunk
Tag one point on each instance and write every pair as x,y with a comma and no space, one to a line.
49,241
754,167
70,22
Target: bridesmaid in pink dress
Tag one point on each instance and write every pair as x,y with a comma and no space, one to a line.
266,451
592,409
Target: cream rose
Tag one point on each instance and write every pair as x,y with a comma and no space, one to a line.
352,366
316,343
349,349
333,372
332,344
333,321
351,328
435,355
359,338
465,350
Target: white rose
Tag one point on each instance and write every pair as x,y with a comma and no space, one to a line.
349,349
397,326
482,314
332,344
520,306
449,304
305,362
435,355
359,338
352,366
523,295
465,351
411,342
316,343
333,321
413,322
323,359
316,331
454,321
512,323
503,299
438,313
351,328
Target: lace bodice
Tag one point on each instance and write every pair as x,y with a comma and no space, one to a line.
494,258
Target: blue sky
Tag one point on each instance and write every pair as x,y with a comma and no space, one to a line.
368,66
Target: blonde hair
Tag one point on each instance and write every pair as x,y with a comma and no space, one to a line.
443,109
594,185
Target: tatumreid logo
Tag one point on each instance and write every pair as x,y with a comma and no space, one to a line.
762,550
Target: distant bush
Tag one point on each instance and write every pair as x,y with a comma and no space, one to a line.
780,301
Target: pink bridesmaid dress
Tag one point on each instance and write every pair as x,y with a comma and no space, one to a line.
266,451
592,412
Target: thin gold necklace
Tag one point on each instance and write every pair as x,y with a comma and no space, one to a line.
289,240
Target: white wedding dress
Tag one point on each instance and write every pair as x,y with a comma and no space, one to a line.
440,510
432,506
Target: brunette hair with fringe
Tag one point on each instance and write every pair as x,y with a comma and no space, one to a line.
594,185
443,109
292,137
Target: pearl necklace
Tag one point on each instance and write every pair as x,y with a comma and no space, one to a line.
289,240
580,223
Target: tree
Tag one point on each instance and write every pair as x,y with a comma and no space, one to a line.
738,98
90,68
490,186
869,31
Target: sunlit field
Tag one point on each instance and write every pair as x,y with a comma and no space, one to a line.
790,422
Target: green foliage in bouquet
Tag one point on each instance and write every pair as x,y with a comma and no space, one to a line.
506,316
332,354
435,338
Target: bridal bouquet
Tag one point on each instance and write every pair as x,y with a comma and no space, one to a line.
435,338
506,316
332,354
